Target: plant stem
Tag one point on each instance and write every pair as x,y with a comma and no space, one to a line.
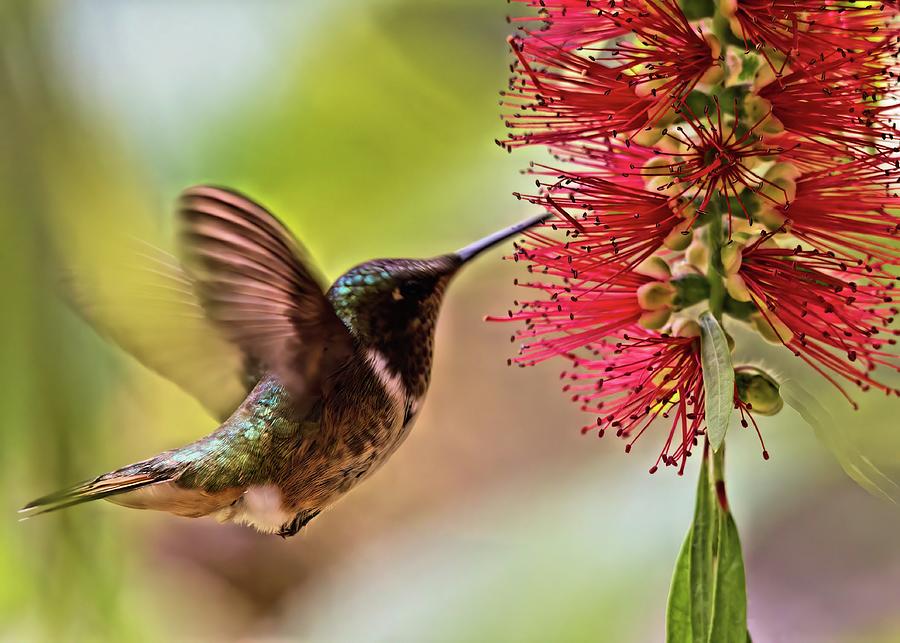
717,475
715,270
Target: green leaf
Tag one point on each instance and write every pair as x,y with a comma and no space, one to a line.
703,538
708,596
718,379
678,611
729,620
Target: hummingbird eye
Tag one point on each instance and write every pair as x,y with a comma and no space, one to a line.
413,289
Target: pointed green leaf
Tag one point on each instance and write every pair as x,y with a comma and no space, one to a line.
729,620
678,611
718,379
708,596
703,539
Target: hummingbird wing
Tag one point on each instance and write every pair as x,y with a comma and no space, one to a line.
147,306
256,283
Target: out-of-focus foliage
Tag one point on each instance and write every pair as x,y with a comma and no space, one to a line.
369,127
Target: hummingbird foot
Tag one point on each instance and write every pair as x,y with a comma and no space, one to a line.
299,522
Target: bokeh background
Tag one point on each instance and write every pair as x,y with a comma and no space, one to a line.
368,125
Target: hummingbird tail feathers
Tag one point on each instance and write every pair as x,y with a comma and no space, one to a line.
107,485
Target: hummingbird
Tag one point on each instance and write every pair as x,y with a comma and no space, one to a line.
314,389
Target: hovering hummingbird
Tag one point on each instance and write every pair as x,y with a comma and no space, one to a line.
320,388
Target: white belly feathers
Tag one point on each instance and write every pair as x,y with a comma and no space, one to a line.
261,507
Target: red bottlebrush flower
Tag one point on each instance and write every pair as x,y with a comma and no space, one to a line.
642,377
618,222
831,311
804,30
576,313
847,208
570,98
655,165
716,161
840,101
569,24
697,161
561,95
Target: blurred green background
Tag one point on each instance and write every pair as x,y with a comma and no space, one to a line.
368,126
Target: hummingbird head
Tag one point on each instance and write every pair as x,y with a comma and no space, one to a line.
391,305
388,300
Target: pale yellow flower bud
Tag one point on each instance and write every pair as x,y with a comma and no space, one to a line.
731,257
769,216
758,389
736,27
758,112
685,209
697,254
657,174
648,137
787,171
716,73
656,295
684,327
737,288
728,8
654,267
655,319
766,75
680,237
771,328
779,190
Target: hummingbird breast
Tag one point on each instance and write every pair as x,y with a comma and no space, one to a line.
368,413
311,461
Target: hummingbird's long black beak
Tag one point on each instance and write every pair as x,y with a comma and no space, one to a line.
474,249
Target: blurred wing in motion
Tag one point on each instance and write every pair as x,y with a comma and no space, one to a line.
145,303
831,433
256,284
